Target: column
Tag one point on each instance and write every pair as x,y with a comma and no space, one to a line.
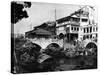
89,29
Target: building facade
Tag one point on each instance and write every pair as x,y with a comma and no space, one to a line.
79,25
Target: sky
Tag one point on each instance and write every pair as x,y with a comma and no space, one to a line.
42,12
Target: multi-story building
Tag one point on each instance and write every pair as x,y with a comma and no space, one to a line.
79,25
90,32
68,26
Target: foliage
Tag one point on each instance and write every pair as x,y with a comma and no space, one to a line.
31,60
17,12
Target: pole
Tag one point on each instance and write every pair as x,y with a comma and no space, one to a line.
55,21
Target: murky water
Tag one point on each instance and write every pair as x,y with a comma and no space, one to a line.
82,62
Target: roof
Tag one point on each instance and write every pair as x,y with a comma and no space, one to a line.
42,32
63,19
68,18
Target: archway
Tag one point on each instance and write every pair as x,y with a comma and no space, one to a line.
35,49
91,45
61,36
32,48
52,46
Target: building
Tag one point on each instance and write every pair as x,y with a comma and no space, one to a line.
68,26
79,25
45,30
39,33
49,26
90,32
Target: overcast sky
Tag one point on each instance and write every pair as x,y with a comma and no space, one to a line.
42,12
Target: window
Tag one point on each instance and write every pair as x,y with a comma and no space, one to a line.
84,20
71,28
90,36
87,36
96,35
84,30
94,29
90,29
77,29
84,37
67,29
87,30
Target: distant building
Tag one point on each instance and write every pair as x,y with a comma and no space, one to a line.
46,30
39,33
49,26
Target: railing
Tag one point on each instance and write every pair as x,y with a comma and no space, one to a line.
69,22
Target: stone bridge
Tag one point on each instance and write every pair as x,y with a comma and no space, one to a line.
90,43
45,42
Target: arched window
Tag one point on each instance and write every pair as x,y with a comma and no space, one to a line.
77,29
61,35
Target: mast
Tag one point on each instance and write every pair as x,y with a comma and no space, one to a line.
55,19
55,15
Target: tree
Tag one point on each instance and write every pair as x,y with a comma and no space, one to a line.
17,12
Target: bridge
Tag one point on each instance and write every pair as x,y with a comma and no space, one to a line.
45,42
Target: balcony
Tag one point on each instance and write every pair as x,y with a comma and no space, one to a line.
74,23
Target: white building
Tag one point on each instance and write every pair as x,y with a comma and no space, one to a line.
79,25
